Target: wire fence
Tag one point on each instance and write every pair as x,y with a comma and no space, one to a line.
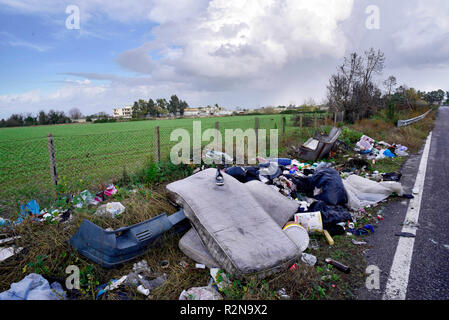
88,160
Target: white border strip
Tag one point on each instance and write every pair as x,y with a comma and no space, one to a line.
396,288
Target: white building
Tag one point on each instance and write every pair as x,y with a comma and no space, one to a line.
225,113
125,112
191,112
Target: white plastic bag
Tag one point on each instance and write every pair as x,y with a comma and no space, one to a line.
111,209
200,293
364,192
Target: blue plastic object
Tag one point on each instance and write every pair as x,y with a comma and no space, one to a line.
31,208
389,154
282,161
113,248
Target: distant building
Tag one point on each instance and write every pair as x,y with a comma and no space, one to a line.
191,112
81,120
125,112
225,113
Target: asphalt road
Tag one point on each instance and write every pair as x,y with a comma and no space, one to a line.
429,268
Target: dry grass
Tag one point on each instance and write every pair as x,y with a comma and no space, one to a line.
40,239
411,136
47,240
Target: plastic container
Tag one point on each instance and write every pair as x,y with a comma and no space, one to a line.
310,220
313,222
297,234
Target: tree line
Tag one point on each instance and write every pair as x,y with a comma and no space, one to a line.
42,118
353,88
160,107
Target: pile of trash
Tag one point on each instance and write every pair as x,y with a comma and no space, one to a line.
373,150
141,277
61,210
240,220
330,200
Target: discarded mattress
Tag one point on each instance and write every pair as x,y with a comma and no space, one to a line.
280,208
236,230
364,192
192,246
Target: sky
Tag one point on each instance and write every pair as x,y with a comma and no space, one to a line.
237,53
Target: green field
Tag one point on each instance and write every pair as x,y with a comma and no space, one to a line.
90,154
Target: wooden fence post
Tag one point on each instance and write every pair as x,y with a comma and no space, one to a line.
335,119
217,127
256,128
157,144
315,120
52,158
283,126
300,121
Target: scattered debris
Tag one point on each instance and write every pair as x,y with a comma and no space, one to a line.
200,293
219,278
139,277
282,293
4,222
410,224
313,244
164,264
338,265
405,235
110,190
8,240
111,209
34,287
6,253
358,243
309,259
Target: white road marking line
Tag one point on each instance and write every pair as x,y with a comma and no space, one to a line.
396,288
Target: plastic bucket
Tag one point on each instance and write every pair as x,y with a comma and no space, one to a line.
311,221
297,234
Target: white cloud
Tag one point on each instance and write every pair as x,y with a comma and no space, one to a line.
427,25
80,82
244,53
236,53
27,97
235,38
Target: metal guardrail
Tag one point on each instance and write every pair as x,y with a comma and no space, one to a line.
403,123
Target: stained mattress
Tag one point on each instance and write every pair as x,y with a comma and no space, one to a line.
238,224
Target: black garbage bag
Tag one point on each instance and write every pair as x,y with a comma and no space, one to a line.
238,173
252,173
392,176
243,174
332,189
331,215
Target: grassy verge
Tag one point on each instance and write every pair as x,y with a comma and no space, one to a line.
46,250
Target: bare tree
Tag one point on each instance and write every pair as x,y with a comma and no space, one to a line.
75,113
352,88
390,84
